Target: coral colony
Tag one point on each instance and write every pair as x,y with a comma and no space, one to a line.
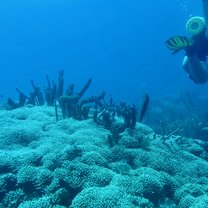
73,105
63,149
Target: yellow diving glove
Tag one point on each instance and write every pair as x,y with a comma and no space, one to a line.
176,43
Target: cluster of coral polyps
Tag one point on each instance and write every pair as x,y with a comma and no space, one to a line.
70,163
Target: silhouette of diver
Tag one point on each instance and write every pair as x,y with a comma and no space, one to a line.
196,48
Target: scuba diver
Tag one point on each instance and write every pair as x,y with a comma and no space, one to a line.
196,48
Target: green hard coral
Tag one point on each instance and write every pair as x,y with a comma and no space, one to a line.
110,196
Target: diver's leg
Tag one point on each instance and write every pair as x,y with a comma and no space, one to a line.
205,9
196,70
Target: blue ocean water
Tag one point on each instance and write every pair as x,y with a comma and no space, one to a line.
63,150
119,44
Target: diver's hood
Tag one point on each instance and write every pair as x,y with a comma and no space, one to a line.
195,25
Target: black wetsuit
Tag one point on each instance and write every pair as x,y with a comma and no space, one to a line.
200,47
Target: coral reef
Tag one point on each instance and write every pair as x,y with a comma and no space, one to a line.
62,149
70,163
73,105
183,114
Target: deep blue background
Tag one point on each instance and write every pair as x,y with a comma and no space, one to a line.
119,43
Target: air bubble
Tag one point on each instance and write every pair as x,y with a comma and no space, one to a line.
184,6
